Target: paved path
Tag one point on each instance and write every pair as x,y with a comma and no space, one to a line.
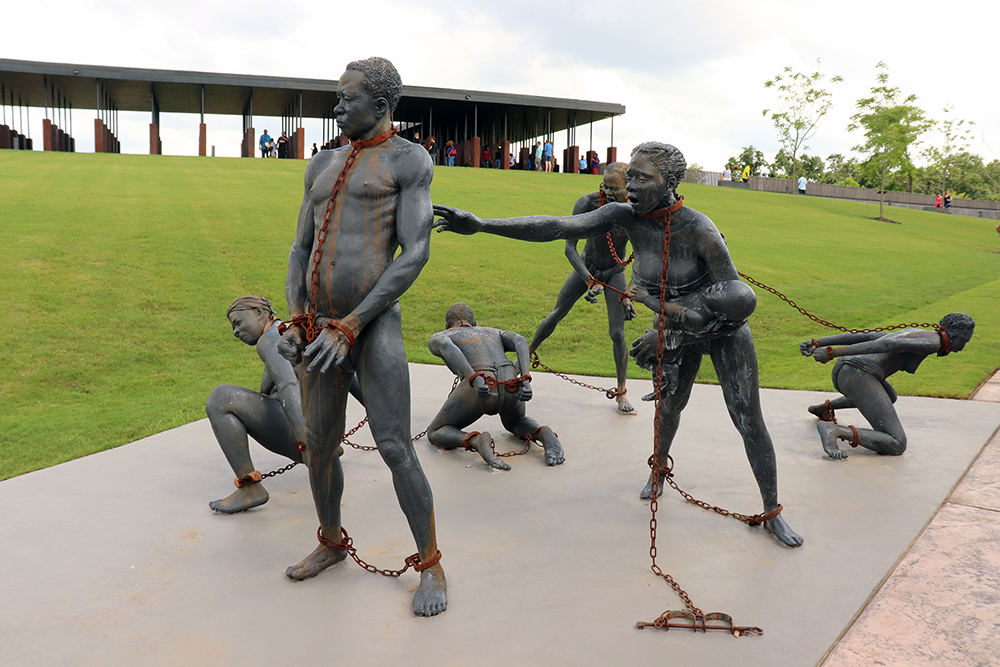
116,559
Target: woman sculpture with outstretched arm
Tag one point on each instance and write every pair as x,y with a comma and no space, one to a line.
667,236
864,363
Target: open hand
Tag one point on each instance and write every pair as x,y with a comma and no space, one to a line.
456,220
330,347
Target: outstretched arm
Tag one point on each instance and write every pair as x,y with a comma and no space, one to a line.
807,347
537,227
914,341
285,384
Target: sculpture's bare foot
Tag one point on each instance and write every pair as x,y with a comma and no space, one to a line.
431,597
829,439
651,396
242,499
483,443
817,410
553,448
624,406
647,491
321,558
782,532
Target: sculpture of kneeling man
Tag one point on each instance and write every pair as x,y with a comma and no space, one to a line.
490,384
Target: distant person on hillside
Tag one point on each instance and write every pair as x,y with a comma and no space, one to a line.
595,164
866,362
274,148
538,155
265,144
802,184
497,157
486,161
727,174
511,162
583,164
315,150
283,145
432,149
547,155
746,174
947,199
449,153
416,138
937,201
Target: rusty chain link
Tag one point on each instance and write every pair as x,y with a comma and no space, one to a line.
831,325
537,363
347,545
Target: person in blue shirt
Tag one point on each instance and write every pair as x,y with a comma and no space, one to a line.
265,144
547,155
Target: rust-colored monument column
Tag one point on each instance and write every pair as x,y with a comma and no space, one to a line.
612,154
505,154
202,140
299,139
154,139
573,160
46,134
98,135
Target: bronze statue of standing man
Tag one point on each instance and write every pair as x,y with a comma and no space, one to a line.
362,204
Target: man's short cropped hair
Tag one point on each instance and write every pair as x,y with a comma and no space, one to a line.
380,79
666,158
957,322
459,312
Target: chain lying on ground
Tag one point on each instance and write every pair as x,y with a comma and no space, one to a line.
347,545
610,393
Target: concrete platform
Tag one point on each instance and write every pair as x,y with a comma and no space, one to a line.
116,559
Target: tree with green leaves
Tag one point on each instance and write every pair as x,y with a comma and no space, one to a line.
810,166
891,124
749,156
946,158
803,105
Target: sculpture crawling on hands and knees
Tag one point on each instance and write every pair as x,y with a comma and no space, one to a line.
602,262
362,203
271,416
864,363
678,245
490,384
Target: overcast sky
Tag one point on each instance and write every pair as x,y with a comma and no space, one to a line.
690,74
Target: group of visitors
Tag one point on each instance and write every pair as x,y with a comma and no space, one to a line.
733,173
946,199
277,148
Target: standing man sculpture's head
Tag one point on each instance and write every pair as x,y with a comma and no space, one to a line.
654,172
615,179
369,91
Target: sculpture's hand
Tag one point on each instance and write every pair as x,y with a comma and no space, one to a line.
456,220
640,294
628,309
524,391
644,350
807,347
330,347
821,355
290,345
482,389
593,293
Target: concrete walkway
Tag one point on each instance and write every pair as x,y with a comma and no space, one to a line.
116,559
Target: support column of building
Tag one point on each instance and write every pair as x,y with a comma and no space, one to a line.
299,135
54,137
155,144
248,147
505,154
202,130
106,123
612,155
9,137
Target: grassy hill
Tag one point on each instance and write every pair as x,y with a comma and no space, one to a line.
118,270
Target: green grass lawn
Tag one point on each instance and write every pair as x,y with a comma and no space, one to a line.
118,270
